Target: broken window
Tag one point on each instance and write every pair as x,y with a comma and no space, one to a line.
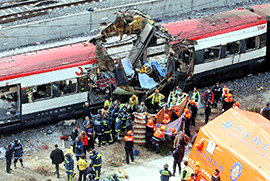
262,40
9,102
212,53
250,43
185,58
232,48
82,84
68,86
41,91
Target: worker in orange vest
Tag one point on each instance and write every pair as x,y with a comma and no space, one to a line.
129,146
236,105
157,137
186,118
149,133
228,103
197,171
167,119
192,177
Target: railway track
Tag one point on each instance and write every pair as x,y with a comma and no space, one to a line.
27,9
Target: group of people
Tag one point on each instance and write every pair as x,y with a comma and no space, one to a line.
87,171
114,123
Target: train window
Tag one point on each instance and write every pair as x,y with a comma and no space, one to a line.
212,53
262,40
82,84
68,86
250,43
9,105
56,88
199,56
232,48
41,91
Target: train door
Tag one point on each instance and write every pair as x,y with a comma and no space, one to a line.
10,109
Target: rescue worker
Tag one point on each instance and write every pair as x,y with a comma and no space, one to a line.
18,152
91,174
124,116
149,130
173,98
165,174
78,147
175,113
129,146
217,90
75,133
197,170
208,95
97,162
57,157
182,96
9,155
114,116
178,155
178,90
156,99
107,130
186,172
108,104
166,119
236,105
265,112
99,129
118,124
228,103
192,177
87,123
133,103
82,166
86,110
194,110
196,97
225,93
114,177
187,119
142,108
216,176
157,137
69,165
207,110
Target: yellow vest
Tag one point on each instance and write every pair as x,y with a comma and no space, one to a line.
82,164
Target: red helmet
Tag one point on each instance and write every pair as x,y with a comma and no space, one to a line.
166,116
172,129
186,110
237,104
230,95
130,132
226,89
192,102
177,108
150,121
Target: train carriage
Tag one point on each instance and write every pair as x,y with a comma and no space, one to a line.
229,44
45,85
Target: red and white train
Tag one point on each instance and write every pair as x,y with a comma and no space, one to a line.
49,85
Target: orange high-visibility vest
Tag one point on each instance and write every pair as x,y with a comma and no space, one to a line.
159,133
129,138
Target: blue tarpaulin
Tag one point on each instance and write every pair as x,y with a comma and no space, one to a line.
128,67
161,70
146,82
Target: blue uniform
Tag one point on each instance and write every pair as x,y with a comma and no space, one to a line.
97,162
99,129
165,175
69,165
78,149
107,131
18,151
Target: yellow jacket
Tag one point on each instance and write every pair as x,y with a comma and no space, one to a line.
82,164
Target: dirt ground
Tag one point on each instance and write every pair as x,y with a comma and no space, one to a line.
38,165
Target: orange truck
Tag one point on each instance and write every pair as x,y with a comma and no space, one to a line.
237,143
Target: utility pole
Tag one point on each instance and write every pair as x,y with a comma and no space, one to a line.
90,10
